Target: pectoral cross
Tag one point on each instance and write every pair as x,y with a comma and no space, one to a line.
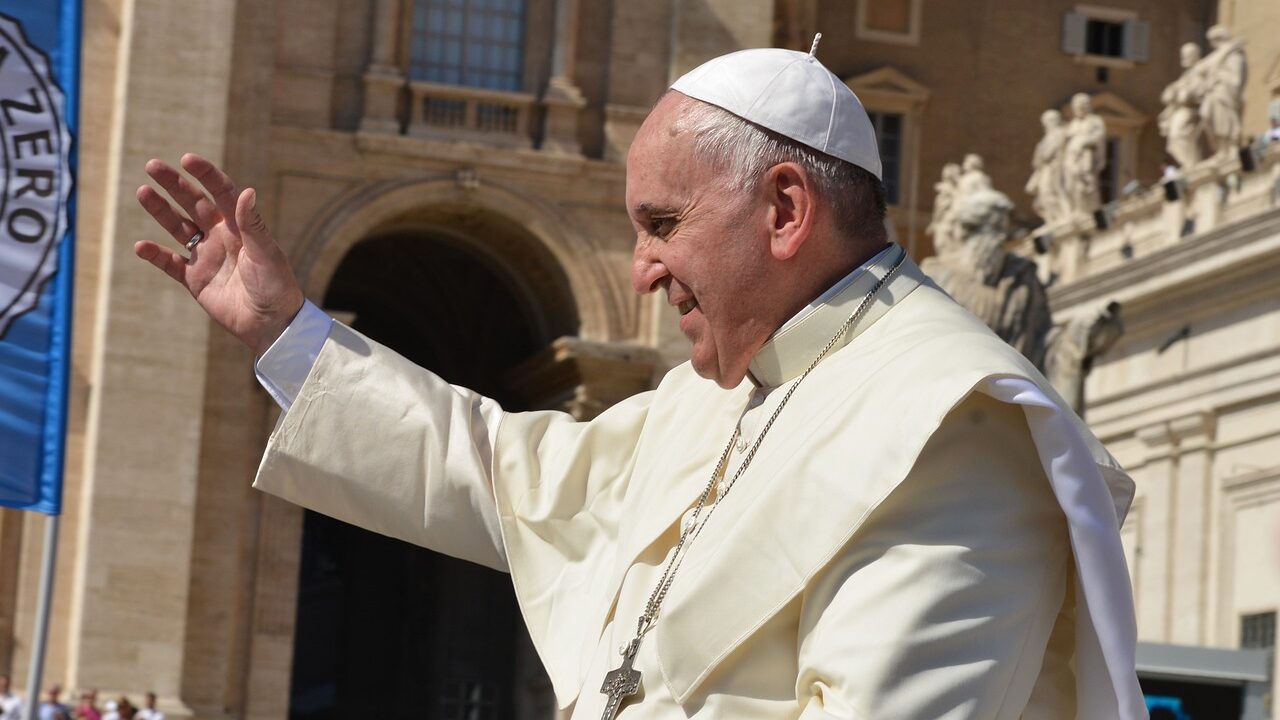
621,683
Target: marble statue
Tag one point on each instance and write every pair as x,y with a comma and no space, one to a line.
1004,290
1085,156
1046,185
998,286
1073,347
945,192
1224,70
1179,122
973,176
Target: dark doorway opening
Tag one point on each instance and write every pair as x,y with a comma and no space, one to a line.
386,629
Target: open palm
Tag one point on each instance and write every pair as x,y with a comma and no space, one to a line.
236,272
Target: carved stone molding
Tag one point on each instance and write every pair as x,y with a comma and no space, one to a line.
1194,431
582,377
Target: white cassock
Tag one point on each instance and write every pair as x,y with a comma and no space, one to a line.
925,531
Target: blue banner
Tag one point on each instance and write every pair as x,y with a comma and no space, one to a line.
39,94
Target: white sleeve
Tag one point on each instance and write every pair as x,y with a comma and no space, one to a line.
285,365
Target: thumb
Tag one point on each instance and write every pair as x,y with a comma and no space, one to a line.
253,229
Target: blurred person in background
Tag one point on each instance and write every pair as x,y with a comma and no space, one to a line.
88,707
149,711
51,708
10,704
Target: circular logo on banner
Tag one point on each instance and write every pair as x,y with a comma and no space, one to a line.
35,177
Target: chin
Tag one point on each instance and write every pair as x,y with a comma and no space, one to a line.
711,369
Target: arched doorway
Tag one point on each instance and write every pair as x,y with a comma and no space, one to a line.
390,630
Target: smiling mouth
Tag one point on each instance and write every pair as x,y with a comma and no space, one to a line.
687,306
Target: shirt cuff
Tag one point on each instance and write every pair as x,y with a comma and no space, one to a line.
284,367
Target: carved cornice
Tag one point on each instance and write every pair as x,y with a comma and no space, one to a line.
584,377
1153,274
888,88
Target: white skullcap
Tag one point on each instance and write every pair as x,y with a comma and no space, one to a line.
792,94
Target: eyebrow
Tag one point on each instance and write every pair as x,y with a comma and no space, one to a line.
651,210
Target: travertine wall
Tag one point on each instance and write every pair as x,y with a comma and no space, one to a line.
1189,398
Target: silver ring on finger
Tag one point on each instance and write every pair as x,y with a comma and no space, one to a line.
195,240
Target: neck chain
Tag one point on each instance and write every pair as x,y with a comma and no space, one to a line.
625,680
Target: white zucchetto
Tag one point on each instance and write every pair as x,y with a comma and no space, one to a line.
792,94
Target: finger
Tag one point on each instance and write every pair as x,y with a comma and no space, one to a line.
253,229
173,264
216,182
193,201
180,228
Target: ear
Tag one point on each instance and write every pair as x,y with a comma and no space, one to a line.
790,194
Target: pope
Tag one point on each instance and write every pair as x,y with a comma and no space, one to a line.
854,501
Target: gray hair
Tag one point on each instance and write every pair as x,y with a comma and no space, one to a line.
745,151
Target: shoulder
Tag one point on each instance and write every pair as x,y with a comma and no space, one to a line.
928,335
925,356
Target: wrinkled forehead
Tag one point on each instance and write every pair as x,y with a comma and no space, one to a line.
662,126
660,157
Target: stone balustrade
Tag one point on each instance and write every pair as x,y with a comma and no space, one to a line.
1155,219
460,113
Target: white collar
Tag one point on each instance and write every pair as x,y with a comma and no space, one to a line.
831,292
792,348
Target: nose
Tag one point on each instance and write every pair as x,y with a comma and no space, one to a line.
647,270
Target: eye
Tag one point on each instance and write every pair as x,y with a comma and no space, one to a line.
662,226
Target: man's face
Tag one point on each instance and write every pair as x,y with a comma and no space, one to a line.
702,243
4,684
1081,106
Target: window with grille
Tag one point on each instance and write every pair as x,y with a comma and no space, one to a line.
477,43
1258,631
888,127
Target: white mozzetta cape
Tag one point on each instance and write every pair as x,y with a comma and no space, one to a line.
567,507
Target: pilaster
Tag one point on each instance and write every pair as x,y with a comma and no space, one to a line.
1155,483
1193,509
384,80
562,99
129,588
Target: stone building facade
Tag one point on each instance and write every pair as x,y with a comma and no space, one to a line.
475,222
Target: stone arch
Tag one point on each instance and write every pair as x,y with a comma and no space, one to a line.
595,288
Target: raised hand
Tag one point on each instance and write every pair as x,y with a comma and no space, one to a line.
236,272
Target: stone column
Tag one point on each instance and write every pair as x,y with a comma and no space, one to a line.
562,98
1193,508
384,78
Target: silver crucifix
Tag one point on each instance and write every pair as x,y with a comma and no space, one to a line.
622,682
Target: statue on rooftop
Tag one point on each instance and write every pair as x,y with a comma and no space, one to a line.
1046,185
998,286
1225,70
1179,122
945,192
973,176
1003,290
1085,156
